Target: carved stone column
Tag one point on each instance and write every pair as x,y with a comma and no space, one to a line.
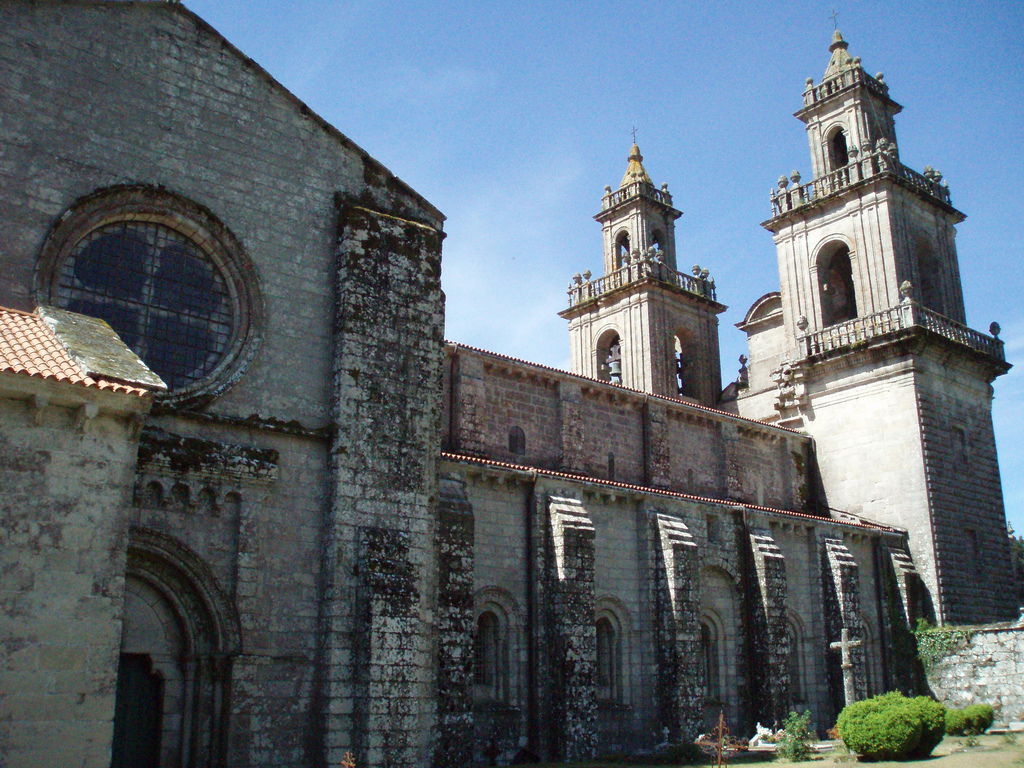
573,435
657,458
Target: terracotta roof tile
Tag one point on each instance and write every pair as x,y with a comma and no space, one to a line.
659,491
29,346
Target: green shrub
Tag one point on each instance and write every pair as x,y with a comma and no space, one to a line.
979,718
796,732
892,727
933,724
956,722
970,720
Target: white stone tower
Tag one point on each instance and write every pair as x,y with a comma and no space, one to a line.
865,346
644,324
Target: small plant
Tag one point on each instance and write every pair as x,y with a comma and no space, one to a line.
348,760
796,732
1009,737
970,741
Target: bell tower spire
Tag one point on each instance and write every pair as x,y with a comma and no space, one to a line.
866,347
643,324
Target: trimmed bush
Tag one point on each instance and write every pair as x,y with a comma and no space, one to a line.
892,727
969,721
933,724
979,717
956,722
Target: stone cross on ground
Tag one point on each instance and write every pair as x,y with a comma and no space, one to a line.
844,645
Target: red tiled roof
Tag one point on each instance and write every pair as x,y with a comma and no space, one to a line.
688,403
659,491
29,346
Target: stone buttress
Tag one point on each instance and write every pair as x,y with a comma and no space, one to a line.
675,581
842,603
566,634
771,640
377,677
455,625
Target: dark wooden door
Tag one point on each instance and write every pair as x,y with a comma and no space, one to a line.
139,702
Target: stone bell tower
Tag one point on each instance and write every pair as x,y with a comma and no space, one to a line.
644,324
866,349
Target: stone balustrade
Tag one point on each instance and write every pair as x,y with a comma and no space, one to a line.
636,189
847,78
646,266
904,316
862,166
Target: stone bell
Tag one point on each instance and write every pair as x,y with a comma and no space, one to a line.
615,363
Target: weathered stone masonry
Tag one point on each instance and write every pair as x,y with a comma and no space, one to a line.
387,371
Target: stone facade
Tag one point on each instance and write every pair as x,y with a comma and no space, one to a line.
336,532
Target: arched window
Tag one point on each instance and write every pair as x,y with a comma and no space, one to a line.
611,466
685,365
609,358
871,660
795,665
929,277
516,441
608,660
656,240
838,297
709,659
621,249
487,656
837,149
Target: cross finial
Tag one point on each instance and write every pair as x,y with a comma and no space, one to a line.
835,16
634,134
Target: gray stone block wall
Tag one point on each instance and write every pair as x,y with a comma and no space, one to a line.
387,382
456,626
972,552
65,518
986,669
575,425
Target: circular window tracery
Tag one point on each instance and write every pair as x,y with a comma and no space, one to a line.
167,276
161,293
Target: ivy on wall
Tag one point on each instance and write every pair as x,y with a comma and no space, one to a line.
935,643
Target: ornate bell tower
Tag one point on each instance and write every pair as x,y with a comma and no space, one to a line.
866,349
643,324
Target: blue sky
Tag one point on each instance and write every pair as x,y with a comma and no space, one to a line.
511,118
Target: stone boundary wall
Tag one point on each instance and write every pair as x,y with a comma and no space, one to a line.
989,669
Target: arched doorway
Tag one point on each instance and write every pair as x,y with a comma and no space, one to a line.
179,634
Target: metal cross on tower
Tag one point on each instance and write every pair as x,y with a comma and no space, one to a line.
835,16
844,645
634,134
